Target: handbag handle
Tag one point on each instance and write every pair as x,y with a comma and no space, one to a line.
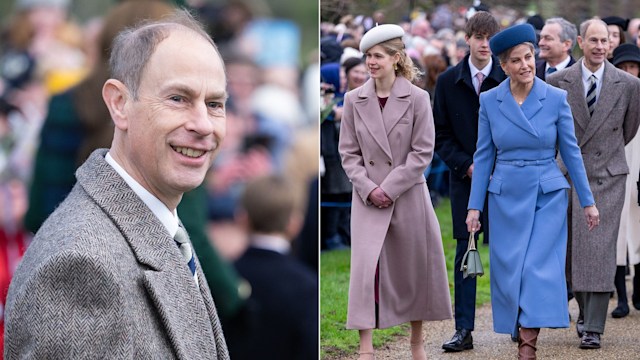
472,241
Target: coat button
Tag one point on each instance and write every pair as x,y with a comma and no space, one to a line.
389,163
598,153
371,162
615,128
600,182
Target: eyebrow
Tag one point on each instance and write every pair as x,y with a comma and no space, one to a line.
184,89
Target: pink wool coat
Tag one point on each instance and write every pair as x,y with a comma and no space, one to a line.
391,149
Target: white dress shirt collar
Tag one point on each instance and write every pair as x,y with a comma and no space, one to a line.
271,242
161,211
561,65
586,74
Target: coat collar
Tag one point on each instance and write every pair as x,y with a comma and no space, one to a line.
520,115
380,123
171,290
464,72
609,93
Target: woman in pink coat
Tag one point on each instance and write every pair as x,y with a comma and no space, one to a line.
398,271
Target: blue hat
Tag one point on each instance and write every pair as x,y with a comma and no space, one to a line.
510,37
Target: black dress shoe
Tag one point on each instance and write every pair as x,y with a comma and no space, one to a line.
590,340
580,328
621,311
461,340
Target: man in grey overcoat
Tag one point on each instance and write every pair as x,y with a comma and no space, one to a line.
104,277
606,111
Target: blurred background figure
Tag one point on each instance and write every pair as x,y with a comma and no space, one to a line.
617,27
627,58
282,322
335,186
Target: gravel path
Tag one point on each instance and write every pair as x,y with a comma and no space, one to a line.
621,340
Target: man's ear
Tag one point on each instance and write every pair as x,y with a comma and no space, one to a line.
116,95
579,41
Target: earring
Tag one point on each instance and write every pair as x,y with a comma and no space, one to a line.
395,67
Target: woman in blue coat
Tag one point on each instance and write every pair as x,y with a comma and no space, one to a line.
523,124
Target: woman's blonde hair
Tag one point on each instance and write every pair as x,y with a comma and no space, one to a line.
405,66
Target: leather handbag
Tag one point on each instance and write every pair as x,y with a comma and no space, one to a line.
471,263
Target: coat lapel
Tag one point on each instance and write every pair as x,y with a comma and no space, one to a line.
572,83
397,104
179,303
609,93
511,110
368,109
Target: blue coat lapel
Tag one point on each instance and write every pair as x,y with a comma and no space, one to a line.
511,110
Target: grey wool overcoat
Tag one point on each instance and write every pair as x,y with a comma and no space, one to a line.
391,149
103,279
591,255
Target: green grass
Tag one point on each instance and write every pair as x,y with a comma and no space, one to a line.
335,340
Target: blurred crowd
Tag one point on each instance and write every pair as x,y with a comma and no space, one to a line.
52,116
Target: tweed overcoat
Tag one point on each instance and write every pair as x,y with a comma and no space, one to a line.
391,149
591,261
515,163
103,279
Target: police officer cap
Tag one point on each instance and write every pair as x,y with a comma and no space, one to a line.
512,36
378,34
616,20
624,53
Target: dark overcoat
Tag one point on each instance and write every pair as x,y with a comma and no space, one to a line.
455,113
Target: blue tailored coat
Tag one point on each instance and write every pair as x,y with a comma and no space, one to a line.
528,202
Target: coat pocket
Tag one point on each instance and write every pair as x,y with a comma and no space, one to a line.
554,184
495,186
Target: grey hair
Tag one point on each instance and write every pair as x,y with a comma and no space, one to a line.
585,26
568,30
504,56
133,47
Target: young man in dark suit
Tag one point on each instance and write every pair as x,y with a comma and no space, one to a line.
557,38
282,317
455,113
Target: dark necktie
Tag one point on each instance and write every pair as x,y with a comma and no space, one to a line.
551,70
182,240
591,95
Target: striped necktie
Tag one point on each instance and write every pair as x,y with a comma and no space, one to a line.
591,95
182,240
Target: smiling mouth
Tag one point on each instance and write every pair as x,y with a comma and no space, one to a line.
189,152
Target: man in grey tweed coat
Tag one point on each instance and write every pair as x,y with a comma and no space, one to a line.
591,255
103,278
